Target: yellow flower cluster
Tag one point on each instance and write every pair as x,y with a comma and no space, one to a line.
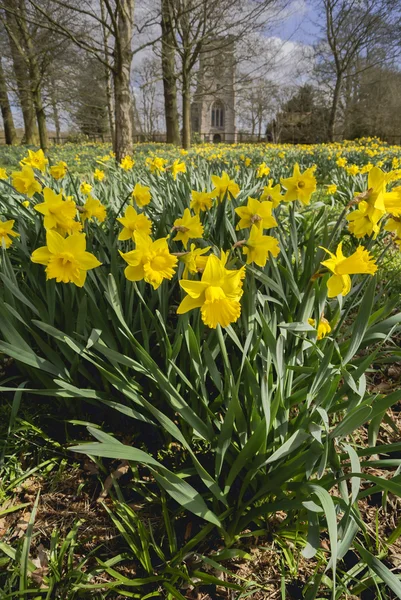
209,280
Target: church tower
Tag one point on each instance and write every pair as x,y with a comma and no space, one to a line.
213,107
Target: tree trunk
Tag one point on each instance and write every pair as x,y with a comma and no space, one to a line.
56,116
21,76
35,77
123,144
169,78
109,91
186,110
40,115
9,129
334,108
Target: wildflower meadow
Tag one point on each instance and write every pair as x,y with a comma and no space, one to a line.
207,337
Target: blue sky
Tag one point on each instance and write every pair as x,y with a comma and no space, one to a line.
301,24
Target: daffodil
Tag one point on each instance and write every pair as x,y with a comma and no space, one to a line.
85,188
224,185
323,327
3,174
178,167
93,209
133,222
256,213
392,202
394,225
201,201
218,294
272,193
263,170
352,169
24,181
156,165
141,194
259,246
300,186
59,170
342,267
341,161
127,163
37,160
99,175
151,260
66,259
194,260
331,189
364,220
188,227
6,233
58,213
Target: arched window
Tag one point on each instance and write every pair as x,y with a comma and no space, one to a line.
218,114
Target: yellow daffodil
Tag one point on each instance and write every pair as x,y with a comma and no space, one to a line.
37,160
133,222
392,202
59,170
300,186
66,259
156,165
99,175
218,293
3,174
323,327
263,170
24,181
127,163
151,260
178,167
58,214
224,185
364,220
26,203
272,193
201,201
194,260
331,189
259,246
342,267
141,194
188,227
93,209
352,169
256,213
247,162
6,230
341,161
394,225
85,188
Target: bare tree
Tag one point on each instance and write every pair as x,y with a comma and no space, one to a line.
169,76
149,81
351,28
118,22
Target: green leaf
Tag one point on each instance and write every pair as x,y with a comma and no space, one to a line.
380,569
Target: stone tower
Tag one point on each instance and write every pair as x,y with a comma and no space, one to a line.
213,107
